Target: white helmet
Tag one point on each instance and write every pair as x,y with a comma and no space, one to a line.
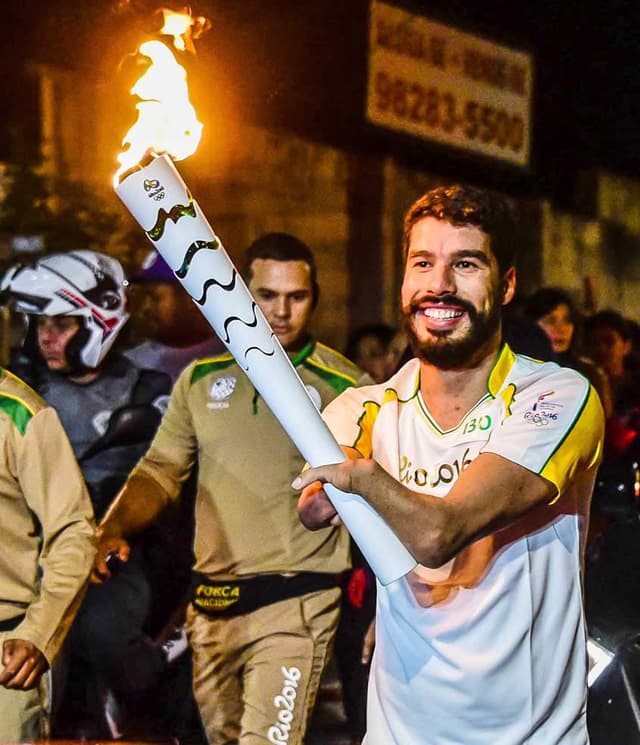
79,283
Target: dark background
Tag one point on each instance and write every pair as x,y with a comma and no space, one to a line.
301,66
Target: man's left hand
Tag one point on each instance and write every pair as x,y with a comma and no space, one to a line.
23,664
314,508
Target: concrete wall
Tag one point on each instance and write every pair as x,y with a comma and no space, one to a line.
596,254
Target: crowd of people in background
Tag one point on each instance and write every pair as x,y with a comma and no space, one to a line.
124,638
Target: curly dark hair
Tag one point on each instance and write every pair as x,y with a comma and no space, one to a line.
461,205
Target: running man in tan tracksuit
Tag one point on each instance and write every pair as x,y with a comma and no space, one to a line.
48,545
265,597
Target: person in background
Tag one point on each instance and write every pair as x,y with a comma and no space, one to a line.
177,332
265,600
48,545
482,462
555,313
75,305
612,585
399,352
523,335
368,347
610,343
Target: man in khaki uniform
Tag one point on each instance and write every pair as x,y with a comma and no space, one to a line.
47,538
265,600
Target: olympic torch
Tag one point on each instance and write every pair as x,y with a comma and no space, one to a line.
153,191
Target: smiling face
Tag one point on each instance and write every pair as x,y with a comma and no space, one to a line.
284,292
452,293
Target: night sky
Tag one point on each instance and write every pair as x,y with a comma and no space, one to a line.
302,65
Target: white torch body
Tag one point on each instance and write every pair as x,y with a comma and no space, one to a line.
159,200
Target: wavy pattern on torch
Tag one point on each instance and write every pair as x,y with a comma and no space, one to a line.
192,251
249,324
210,282
257,349
174,214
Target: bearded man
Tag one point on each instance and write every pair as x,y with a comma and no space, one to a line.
483,462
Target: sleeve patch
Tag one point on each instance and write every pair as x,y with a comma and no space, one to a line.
19,413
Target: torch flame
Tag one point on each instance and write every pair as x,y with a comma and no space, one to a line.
167,122
179,26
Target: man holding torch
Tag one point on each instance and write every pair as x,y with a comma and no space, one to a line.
482,462
264,605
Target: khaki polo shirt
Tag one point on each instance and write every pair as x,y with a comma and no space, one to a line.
246,511
46,519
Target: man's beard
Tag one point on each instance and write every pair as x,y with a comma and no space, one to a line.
444,352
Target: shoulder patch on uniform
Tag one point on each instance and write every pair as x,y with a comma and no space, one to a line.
213,364
17,410
348,364
338,380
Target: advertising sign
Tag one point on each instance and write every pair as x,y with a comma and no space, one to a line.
438,83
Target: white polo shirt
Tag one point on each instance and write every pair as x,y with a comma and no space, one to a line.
491,648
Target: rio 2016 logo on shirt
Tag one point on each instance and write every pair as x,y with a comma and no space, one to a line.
443,473
543,411
221,391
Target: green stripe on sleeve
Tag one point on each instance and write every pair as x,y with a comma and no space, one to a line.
203,368
337,380
19,413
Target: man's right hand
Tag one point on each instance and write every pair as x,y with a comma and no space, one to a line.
106,547
23,664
